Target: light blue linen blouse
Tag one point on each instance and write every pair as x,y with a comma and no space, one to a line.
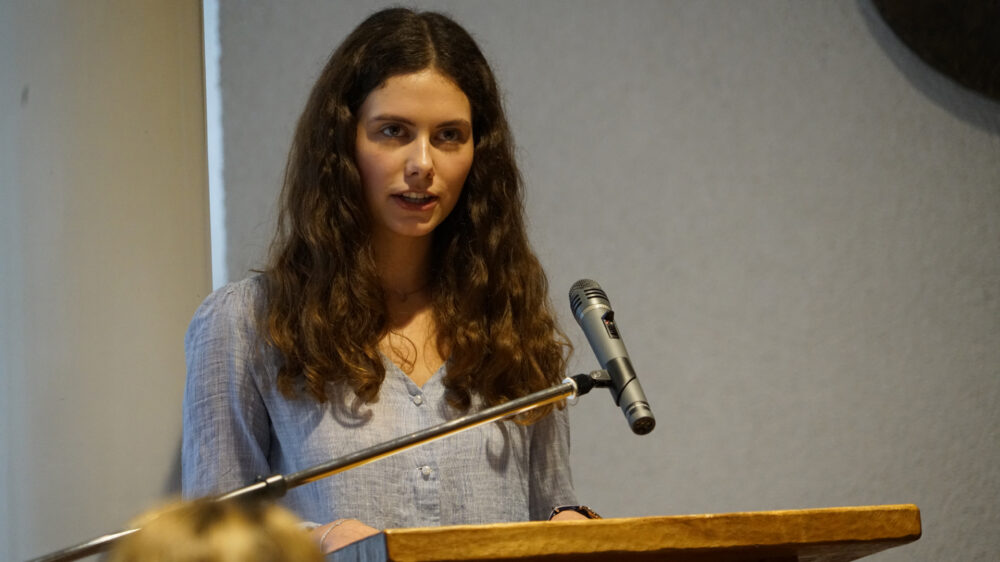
238,426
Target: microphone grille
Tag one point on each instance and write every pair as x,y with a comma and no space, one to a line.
585,290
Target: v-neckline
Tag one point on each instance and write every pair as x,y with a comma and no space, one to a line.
396,368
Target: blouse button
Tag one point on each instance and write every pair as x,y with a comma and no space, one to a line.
418,399
425,470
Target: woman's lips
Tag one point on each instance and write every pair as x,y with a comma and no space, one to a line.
415,201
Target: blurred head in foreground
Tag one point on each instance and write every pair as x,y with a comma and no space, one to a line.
204,531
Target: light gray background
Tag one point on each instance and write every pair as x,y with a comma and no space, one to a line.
797,221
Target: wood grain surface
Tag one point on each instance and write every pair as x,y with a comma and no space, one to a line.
814,535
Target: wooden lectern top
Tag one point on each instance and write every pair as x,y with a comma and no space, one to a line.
813,535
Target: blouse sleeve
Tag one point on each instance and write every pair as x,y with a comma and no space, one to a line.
551,481
226,425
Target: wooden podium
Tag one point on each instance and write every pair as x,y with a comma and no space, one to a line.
813,535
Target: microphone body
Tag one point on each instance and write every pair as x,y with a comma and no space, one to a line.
593,312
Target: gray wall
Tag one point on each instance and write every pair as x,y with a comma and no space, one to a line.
797,221
103,258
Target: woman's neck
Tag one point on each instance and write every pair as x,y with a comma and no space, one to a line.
402,264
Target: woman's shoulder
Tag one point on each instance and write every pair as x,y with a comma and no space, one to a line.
238,296
232,307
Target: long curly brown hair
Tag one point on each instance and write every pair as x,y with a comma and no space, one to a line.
325,309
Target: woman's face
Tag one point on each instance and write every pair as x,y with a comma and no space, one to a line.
414,149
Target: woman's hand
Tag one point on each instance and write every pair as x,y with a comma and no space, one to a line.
340,533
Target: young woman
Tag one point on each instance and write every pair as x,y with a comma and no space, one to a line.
401,292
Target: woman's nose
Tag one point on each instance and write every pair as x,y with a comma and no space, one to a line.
420,161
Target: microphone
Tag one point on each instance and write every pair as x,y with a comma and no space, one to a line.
592,309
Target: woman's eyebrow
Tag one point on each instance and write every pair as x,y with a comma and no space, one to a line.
405,121
456,123
390,117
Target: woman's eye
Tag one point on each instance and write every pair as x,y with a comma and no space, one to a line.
450,135
392,131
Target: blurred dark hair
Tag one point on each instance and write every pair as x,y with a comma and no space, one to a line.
207,531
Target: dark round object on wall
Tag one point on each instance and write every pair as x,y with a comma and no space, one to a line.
959,38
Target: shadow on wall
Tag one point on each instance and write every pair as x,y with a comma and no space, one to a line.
172,487
968,105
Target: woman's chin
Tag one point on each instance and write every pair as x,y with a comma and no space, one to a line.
406,232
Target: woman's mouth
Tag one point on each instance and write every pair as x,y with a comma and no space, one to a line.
415,201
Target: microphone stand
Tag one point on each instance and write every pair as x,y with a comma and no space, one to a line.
276,485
